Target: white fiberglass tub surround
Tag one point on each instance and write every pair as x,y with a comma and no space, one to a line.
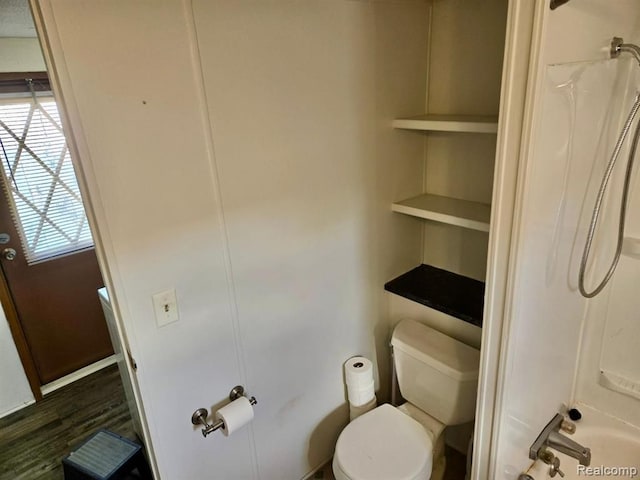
615,449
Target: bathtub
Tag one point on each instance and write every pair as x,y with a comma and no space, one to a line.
615,450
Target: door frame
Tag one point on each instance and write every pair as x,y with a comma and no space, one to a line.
14,83
6,298
19,338
58,76
521,44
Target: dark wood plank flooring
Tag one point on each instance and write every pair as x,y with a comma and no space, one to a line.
34,440
456,465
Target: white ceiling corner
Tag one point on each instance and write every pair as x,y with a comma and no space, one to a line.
15,19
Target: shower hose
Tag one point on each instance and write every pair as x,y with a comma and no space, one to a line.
623,203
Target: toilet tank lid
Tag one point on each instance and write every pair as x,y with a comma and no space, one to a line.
447,355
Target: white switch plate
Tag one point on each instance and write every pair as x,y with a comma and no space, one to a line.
165,305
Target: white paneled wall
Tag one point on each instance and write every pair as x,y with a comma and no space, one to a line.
300,96
242,152
130,86
15,392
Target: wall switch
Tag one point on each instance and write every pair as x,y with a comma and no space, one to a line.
165,305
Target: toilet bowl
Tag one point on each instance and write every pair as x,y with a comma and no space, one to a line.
384,443
438,377
391,443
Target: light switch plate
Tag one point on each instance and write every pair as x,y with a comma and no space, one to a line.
165,305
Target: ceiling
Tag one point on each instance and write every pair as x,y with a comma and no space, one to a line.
15,19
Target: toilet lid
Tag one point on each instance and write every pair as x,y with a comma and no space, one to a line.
384,444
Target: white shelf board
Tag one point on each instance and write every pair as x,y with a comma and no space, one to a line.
463,213
449,123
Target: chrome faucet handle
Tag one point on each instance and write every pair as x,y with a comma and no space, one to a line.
546,456
568,426
554,462
554,469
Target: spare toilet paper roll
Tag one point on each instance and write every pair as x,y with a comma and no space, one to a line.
359,397
355,412
235,415
358,371
354,389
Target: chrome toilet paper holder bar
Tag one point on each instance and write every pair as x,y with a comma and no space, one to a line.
199,417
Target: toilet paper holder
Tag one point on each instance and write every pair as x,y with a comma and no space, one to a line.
199,417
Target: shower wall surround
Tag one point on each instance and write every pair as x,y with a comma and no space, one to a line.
609,367
577,105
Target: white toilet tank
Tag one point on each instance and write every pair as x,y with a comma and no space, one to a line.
436,373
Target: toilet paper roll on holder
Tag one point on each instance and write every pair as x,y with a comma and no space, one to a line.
199,417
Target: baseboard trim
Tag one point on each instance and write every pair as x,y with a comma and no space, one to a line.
312,473
77,375
15,409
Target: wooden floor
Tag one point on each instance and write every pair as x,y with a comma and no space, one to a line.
456,465
34,440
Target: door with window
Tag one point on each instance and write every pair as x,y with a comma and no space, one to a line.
47,250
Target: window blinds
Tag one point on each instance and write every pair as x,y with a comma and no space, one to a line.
40,181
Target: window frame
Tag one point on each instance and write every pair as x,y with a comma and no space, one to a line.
14,88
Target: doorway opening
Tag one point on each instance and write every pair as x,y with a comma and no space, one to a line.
49,266
59,369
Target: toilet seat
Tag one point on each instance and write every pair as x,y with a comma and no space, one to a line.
383,444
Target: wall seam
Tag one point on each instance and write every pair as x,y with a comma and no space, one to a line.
207,125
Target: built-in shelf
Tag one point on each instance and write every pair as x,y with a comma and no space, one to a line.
449,123
463,213
620,384
450,293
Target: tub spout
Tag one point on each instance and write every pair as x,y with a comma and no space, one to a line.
552,438
565,445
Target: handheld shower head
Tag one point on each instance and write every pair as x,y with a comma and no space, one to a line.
618,46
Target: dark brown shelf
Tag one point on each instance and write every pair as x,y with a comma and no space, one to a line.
450,293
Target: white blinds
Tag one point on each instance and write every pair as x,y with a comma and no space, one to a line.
41,183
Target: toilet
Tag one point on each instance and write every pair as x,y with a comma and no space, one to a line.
438,377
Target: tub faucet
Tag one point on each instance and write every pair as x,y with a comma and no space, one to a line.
552,438
565,445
